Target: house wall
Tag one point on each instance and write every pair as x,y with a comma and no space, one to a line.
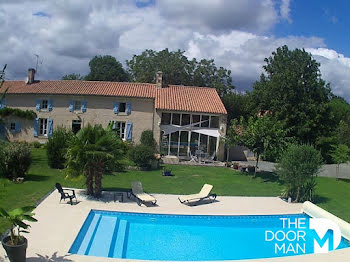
99,111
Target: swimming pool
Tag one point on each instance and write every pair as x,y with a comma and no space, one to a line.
192,237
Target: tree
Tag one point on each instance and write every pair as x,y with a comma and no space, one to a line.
294,92
297,168
73,76
57,146
92,152
237,105
179,70
106,68
260,134
147,139
341,155
340,109
343,132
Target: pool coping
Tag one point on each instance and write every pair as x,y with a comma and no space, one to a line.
62,222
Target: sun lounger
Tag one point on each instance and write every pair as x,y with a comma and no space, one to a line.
140,195
203,194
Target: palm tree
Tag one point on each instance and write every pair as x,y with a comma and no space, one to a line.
92,152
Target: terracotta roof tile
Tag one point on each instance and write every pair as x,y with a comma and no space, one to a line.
75,87
189,98
176,98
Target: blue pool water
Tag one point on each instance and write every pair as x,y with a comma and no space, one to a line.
183,237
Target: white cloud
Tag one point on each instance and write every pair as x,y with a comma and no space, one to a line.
218,16
231,32
335,68
285,10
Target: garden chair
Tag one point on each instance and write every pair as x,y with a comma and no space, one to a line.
65,195
140,195
203,194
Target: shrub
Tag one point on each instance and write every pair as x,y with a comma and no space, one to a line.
15,159
36,144
298,168
142,155
147,139
56,147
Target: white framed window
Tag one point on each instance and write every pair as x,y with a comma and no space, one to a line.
44,104
122,107
43,127
77,105
120,127
12,126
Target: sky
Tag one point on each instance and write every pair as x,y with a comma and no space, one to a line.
237,34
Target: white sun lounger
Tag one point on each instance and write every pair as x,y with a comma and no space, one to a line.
203,194
140,195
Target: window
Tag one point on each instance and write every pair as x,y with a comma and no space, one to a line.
176,119
214,122
43,127
205,121
166,117
44,104
76,105
12,126
185,120
76,126
196,119
120,128
122,107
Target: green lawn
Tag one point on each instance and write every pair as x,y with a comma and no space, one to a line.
333,195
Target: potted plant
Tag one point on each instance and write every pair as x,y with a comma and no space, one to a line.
166,171
15,244
235,165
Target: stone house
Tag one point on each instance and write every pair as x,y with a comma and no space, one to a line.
184,119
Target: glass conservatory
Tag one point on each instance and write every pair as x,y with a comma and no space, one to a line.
186,135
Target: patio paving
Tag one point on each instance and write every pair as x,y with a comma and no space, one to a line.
51,237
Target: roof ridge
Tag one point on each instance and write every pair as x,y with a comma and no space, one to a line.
207,87
88,81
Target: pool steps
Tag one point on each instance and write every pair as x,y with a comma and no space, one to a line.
113,230
119,244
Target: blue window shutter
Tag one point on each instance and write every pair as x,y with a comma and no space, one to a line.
116,108
2,103
35,127
128,108
49,127
70,106
83,106
37,107
2,131
18,127
49,106
129,131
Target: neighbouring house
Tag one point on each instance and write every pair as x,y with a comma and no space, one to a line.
184,119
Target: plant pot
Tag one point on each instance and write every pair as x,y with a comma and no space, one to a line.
15,253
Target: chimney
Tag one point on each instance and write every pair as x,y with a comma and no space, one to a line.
159,80
31,74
